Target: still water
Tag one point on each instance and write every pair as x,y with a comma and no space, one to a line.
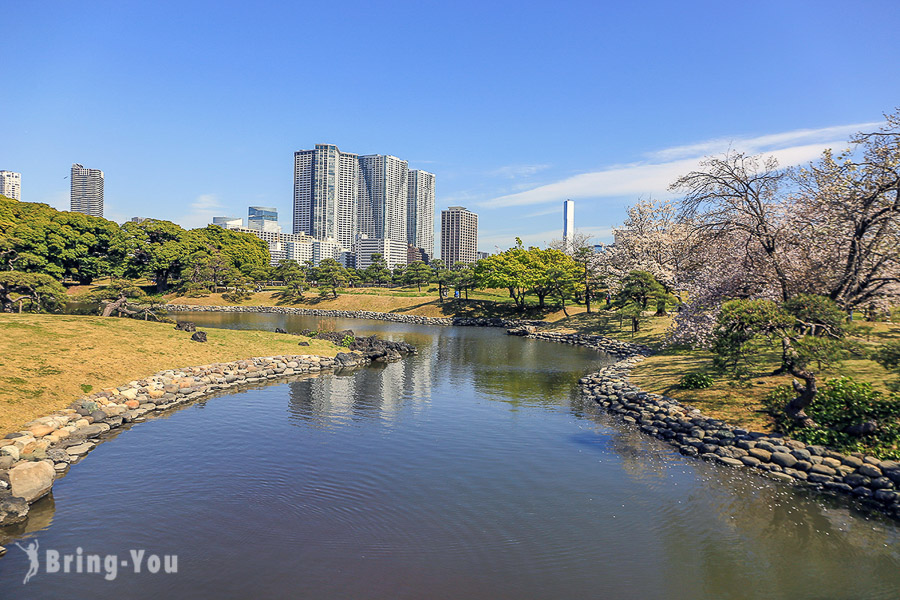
471,470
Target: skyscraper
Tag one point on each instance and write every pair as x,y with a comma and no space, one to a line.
87,190
326,192
459,235
341,197
383,189
420,212
11,184
568,223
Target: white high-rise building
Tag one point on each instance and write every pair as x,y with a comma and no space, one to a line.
459,236
87,190
326,190
383,189
340,197
420,212
11,184
568,223
394,253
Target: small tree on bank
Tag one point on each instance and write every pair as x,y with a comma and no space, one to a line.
808,330
331,277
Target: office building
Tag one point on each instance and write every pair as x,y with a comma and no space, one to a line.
11,184
86,190
228,222
263,218
383,189
568,224
420,212
459,235
326,191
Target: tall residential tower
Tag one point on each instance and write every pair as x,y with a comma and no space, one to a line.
326,193
383,189
459,236
87,191
11,184
420,212
343,197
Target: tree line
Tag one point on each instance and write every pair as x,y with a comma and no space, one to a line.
40,248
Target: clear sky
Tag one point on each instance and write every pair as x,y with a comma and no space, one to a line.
193,109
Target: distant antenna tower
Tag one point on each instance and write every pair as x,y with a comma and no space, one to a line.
568,223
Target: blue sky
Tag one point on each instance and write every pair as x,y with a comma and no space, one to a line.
194,109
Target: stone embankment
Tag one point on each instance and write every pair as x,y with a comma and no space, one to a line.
361,314
31,459
866,478
600,343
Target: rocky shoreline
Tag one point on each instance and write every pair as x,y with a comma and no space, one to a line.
361,314
872,481
31,459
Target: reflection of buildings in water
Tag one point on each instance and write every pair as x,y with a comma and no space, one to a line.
322,399
418,378
380,391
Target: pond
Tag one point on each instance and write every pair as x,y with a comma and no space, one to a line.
470,470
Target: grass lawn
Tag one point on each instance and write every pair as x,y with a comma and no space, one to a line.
742,405
405,300
46,359
736,404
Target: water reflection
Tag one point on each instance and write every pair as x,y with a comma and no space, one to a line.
470,470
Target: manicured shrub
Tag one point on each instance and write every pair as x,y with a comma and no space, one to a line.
695,381
851,417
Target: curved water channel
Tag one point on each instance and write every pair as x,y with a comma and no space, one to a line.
471,470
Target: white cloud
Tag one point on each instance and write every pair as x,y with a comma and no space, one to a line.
202,210
653,178
516,171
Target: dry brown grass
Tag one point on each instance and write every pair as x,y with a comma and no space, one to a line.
45,359
607,322
404,301
424,306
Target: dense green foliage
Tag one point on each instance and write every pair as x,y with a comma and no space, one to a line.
743,329
331,277
851,416
532,271
35,238
636,291
245,251
33,292
418,273
813,326
695,381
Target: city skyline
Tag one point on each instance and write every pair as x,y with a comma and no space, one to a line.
345,197
510,128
